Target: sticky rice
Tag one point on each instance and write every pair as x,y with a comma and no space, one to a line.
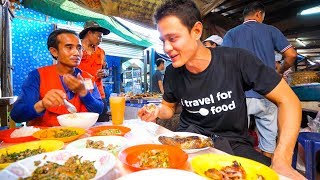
24,131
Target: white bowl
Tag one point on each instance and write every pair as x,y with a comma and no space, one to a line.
81,120
119,141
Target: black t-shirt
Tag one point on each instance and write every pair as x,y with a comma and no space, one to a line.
218,92
157,76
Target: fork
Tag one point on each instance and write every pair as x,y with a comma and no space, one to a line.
70,107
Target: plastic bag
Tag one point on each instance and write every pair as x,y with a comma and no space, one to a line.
314,124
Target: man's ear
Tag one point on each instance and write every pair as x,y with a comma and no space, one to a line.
197,30
54,52
90,32
258,14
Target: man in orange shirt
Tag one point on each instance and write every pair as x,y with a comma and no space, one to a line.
43,92
93,59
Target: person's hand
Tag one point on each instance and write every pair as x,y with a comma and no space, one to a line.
76,85
54,97
101,73
285,169
149,113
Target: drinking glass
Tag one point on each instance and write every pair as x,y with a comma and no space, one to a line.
117,106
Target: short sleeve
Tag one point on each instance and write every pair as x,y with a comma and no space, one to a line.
159,76
169,86
255,74
280,42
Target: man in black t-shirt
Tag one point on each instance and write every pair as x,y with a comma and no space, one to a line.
157,84
210,85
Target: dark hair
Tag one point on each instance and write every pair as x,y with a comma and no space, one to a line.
159,61
53,38
185,10
253,8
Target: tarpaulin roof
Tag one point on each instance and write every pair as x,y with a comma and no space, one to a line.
137,10
69,11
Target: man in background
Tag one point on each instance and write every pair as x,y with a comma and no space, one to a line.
213,41
93,59
262,40
157,79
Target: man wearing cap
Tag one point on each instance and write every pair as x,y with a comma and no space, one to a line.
93,59
213,41
262,40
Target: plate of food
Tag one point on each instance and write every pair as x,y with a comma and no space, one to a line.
17,135
69,164
65,134
150,156
216,166
21,151
161,174
189,142
112,144
109,130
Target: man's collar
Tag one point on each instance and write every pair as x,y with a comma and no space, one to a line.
250,20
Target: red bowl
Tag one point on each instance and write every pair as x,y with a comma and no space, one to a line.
129,156
94,131
5,136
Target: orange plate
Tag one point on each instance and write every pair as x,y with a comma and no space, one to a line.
42,134
129,156
95,130
5,136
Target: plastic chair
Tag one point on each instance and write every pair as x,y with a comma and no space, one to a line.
310,141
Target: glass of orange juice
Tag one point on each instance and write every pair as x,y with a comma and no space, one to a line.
117,106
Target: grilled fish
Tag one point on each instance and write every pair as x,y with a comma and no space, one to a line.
235,171
188,142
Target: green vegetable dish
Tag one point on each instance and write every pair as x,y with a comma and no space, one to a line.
16,156
72,169
109,132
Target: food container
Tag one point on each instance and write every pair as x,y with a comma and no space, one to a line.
308,92
303,77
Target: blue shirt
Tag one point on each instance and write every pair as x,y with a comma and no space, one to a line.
261,39
23,109
157,76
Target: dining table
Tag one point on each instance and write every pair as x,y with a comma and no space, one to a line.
142,133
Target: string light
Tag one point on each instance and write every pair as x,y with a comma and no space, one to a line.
311,11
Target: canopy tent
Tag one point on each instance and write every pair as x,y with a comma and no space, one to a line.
69,11
137,10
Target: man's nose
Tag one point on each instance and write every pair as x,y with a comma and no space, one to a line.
77,52
167,47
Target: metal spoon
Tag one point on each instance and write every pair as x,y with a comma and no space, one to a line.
70,107
202,111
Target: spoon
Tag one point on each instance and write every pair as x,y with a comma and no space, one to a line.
70,107
202,111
